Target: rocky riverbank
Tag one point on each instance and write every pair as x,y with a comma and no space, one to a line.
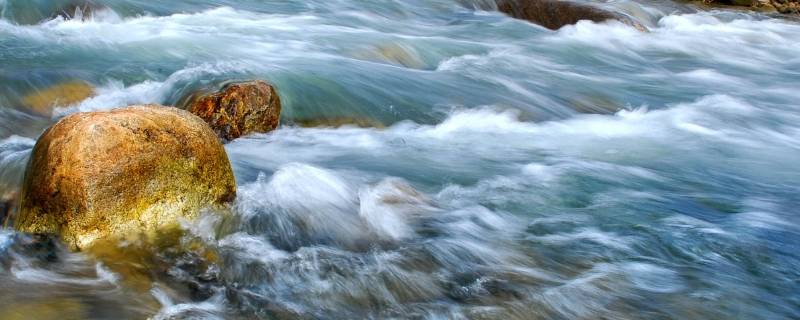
789,7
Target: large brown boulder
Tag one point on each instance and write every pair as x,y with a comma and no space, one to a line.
238,109
554,14
127,172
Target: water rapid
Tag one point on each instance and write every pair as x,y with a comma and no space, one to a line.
510,171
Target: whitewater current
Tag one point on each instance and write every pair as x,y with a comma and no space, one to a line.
513,172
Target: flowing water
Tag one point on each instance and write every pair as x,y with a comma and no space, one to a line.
594,172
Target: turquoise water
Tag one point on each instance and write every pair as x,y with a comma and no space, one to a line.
594,172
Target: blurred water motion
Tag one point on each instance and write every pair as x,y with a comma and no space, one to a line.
438,160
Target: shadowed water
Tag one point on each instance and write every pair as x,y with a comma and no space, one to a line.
594,172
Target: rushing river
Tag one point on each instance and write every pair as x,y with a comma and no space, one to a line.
594,172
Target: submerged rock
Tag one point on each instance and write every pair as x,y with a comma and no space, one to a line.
42,102
397,54
337,122
554,14
46,309
238,109
594,103
127,172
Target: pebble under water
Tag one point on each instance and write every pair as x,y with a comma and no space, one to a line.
511,172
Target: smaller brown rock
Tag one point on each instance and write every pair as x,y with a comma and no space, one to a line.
238,109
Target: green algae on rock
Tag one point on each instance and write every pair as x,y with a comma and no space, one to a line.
238,109
122,173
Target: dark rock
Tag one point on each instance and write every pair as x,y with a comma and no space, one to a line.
238,109
8,206
554,14
40,246
81,10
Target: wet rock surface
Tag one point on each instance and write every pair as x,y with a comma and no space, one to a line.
238,109
554,14
781,6
120,173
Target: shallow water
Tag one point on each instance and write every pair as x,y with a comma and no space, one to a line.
590,172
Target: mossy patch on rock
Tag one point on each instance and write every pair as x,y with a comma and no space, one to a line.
127,172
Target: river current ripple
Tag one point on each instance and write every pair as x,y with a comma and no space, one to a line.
593,172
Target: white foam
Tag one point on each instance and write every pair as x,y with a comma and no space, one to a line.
27,273
210,309
762,220
386,208
318,200
708,77
7,239
310,188
687,222
653,278
252,248
703,35
608,239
